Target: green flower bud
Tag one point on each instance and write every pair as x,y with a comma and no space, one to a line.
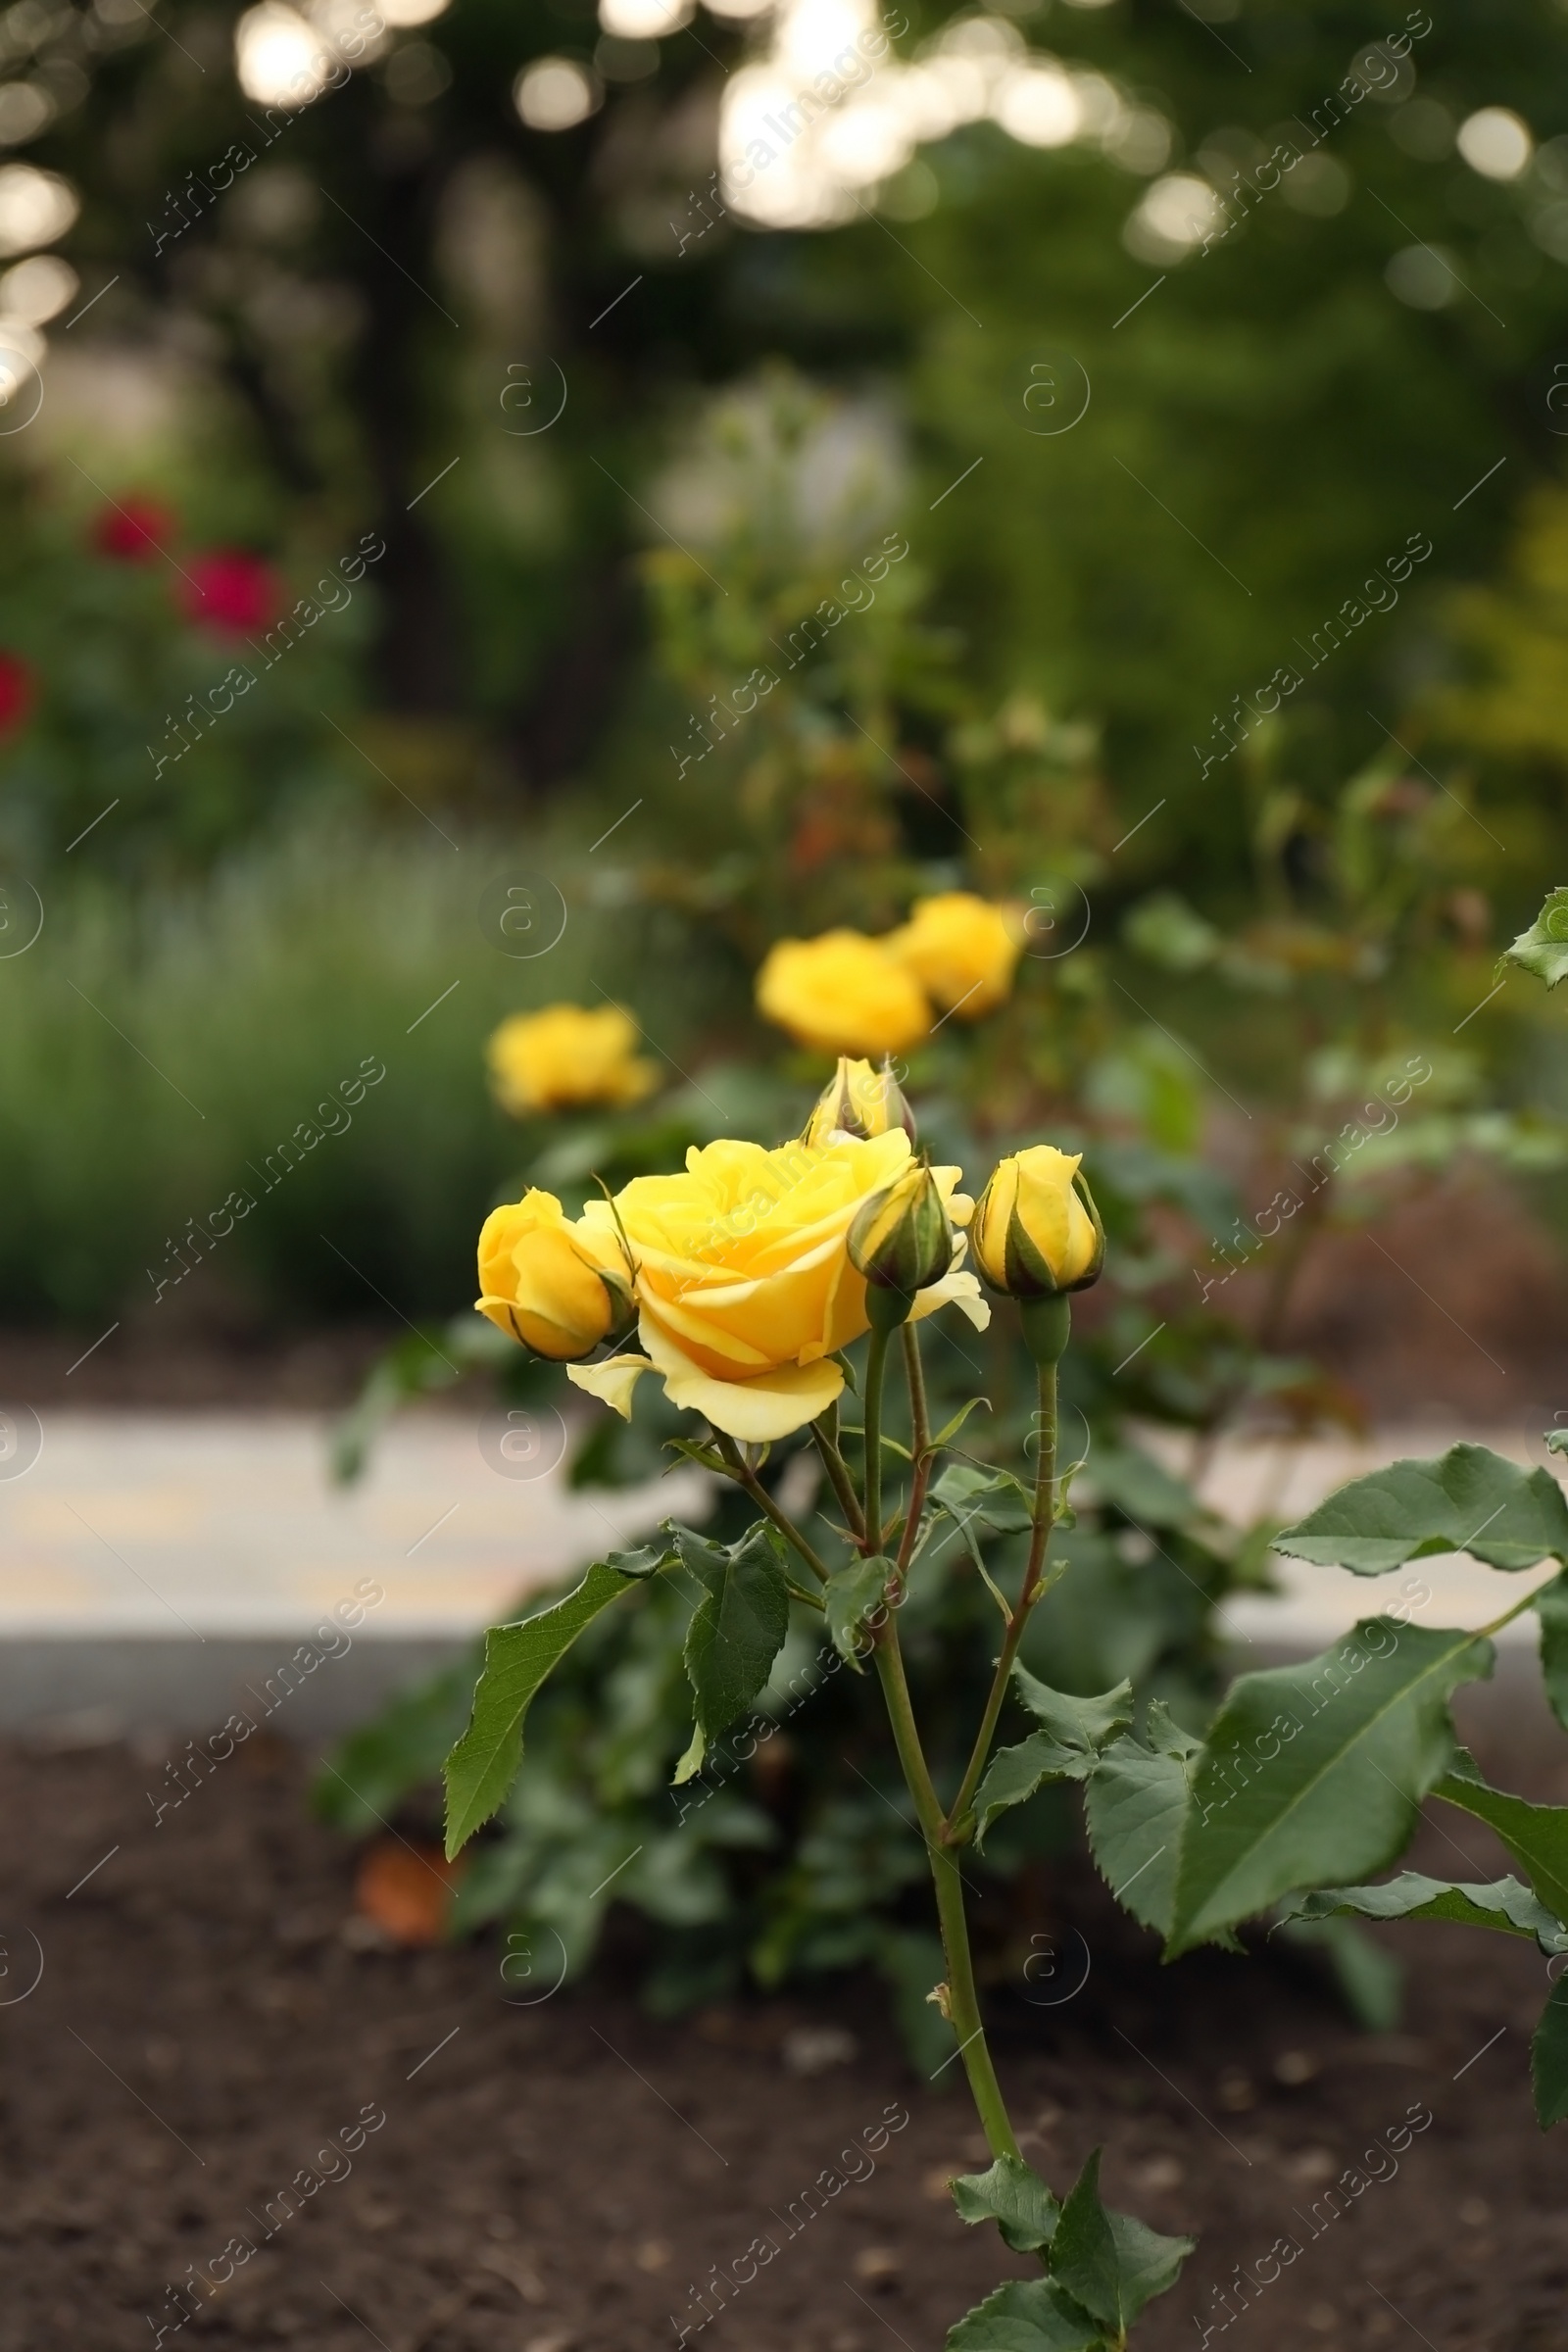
859,1102
900,1239
1036,1232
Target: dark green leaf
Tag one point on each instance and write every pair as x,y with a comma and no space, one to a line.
1108,2262
1536,1835
850,1597
1504,1904
1549,2059
737,1628
1082,1724
1030,2315
1469,1499
1013,2196
1312,1774
1135,1806
483,1766
1067,1749
1551,1607
1544,948
1135,1485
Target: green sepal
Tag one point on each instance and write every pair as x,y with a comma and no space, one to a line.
1109,2262
1013,2196
1469,1499
849,1598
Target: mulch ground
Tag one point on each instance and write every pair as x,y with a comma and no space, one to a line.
473,2167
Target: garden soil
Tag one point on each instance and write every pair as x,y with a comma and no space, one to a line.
220,2069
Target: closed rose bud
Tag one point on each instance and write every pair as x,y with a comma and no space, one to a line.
860,1101
1036,1232
901,1240
550,1283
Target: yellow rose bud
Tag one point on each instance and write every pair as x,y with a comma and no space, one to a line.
900,1239
567,1056
1036,1230
857,1102
961,949
557,1287
843,993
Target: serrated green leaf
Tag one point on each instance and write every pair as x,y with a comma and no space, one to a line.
1083,1724
1313,1773
1504,1904
1028,2315
483,1765
1536,1835
1015,1774
849,1598
1135,1806
1066,1749
1551,1607
1109,2262
1469,1499
1544,948
1549,2059
737,1628
1013,2196
994,1498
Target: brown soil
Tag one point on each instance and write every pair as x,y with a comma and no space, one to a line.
567,2173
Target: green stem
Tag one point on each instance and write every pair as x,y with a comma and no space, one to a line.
825,1438
744,1476
919,1446
875,1370
1043,1519
963,2001
1484,1631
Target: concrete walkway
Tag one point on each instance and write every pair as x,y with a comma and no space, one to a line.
149,1562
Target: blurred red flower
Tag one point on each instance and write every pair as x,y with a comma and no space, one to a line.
229,590
16,695
133,530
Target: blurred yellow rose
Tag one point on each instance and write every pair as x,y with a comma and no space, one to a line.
547,1282
1036,1230
961,949
744,1280
566,1054
842,993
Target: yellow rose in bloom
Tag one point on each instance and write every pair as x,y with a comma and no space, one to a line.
857,1099
744,1280
547,1282
842,993
1036,1230
961,949
567,1054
